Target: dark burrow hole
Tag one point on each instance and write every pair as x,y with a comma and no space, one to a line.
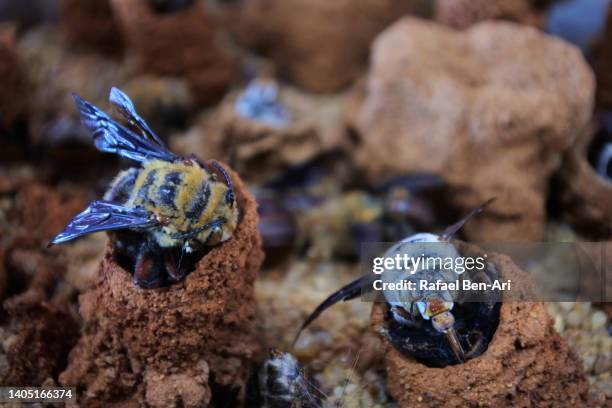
169,6
600,154
475,324
127,247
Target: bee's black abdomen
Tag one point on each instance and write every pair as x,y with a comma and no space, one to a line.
144,192
168,190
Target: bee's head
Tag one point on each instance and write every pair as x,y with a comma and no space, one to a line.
443,322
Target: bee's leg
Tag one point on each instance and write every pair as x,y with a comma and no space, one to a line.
475,348
176,270
402,316
147,273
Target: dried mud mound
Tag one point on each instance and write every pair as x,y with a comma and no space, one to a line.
602,64
180,43
91,25
262,151
13,99
464,13
492,115
526,364
38,327
320,45
586,195
186,345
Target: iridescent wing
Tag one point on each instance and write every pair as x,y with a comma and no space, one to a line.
111,137
125,107
104,216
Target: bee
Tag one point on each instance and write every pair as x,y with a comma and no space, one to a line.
160,213
409,310
284,383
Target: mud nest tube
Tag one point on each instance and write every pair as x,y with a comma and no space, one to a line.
526,363
181,43
191,344
475,324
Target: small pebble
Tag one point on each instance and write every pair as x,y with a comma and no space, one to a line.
603,364
587,362
574,319
559,324
598,320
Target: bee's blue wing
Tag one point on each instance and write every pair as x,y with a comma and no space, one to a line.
109,136
126,108
104,216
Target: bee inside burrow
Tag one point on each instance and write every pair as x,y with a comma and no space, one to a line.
435,327
163,216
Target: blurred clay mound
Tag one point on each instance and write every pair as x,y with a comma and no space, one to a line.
464,13
602,64
261,151
585,196
188,344
181,43
13,82
491,114
320,45
91,25
55,72
39,326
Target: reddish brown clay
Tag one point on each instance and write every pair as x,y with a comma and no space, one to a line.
41,336
91,25
262,151
602,65
178,44
320,45
39,328
527,363
13,98
464,13
181,345
585,195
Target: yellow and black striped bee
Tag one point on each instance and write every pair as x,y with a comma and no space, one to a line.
162,215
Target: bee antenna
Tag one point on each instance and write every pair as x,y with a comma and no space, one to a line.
230,196
452,230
